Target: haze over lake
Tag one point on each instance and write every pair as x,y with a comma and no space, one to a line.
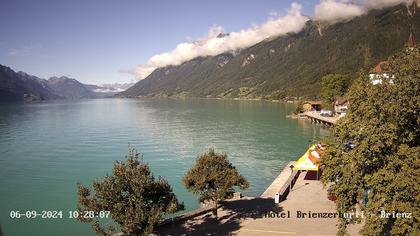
46,148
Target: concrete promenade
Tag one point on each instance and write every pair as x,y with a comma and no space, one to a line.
305,208
278,183
306,211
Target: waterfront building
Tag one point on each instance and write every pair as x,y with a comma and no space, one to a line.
312,106
340,105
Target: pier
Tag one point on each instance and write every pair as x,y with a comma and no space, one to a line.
315,117
282,183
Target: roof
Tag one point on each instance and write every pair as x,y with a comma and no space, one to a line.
411,41
340,101
313,102
381,68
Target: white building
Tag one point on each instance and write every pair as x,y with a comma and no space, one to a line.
379,73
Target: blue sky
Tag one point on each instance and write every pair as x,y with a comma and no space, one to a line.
93,41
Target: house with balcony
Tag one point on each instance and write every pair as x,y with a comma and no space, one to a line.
341,105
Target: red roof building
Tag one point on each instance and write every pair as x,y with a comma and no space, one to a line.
380,72
381,68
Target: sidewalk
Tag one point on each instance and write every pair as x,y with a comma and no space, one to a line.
261,216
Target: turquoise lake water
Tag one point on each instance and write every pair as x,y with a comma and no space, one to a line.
47,147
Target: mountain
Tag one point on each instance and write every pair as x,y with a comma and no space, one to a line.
290,65
69,88
19,86
109,88
180,80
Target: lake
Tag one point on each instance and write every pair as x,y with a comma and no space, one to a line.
47,147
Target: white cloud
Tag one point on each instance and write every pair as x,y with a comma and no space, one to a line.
334,11
380,4
212,45
339,10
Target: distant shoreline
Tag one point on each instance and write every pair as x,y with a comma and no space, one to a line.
221,99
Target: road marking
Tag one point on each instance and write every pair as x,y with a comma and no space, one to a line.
268,231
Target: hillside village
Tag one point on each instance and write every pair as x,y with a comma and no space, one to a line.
316,112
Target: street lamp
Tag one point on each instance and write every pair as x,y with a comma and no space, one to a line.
291,178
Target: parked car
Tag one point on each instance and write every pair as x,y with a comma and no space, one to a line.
349,145
327,113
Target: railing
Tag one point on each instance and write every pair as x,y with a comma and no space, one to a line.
285,189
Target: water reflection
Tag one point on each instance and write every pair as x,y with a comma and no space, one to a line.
46,148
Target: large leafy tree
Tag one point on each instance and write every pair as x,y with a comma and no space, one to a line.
372,162
213,177
333,85
135,199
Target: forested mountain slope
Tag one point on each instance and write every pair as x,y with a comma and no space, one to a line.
290,65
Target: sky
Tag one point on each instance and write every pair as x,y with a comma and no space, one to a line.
98,41
108,41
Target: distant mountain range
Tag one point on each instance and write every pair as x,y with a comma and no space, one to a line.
109,88
290,65
20,86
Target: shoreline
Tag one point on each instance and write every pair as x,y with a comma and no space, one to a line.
292,101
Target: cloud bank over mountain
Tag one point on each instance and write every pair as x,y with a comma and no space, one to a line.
334,11
338,10
217,41
380,4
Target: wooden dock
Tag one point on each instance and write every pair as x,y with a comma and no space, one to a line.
281,183
315,117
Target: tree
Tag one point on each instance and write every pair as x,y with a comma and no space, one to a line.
333,85
372,161
135,199
299,108
213,177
